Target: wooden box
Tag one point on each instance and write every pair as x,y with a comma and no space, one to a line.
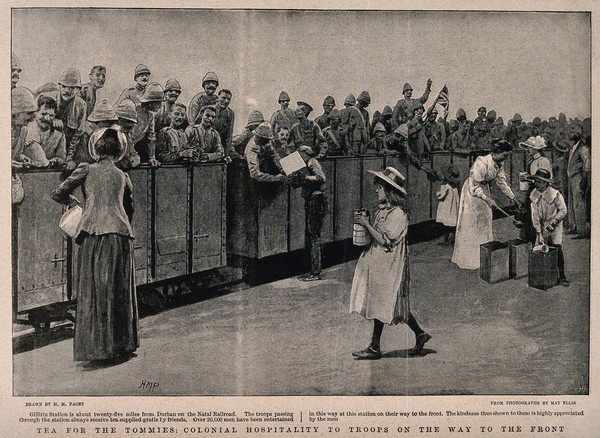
493,261
518,258
543,269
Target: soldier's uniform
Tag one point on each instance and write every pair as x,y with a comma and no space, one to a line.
401,111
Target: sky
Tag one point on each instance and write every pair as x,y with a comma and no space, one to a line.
533,63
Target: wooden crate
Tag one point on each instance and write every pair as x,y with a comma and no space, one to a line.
543,269
518,258
494,265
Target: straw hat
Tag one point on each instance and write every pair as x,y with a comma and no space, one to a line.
392,177
536,142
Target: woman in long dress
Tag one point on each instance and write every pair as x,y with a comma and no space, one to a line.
107,320
474,225
380,288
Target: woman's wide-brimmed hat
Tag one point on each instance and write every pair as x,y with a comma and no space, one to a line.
99,133
536,142
542,175
392,177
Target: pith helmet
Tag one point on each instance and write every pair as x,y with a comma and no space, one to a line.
50,89
387,111
172,85
141,68
350,100
153,93
334,114
70,78
126,110
461,114
103,111
22,101
379,127
364,96
517,117
491,115
14,62
264,130
210,77
329,101
537,121
406,87
255,118
283,96
402,130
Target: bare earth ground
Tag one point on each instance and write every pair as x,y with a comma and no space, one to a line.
294,338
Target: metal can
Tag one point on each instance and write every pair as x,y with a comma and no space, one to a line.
360,235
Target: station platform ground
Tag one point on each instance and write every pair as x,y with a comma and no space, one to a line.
288,337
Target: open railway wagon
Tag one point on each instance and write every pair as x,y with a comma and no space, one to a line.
266,221
191,219
179,228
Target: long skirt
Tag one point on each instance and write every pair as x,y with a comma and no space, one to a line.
107,317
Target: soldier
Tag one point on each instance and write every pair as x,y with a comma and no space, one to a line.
337,139
461,139
386,119
516,131
263,162
127,115
284,116
415,127
42,133
240,141
498,128
323,119
204,138
210,82
537,127
23,107
578,172
433,133
172,141
71,117
143,133
362,102
225,119
88,91
172,91
354,124
402,109
15,70
141,76
481,129
306,132
453,126
377,143
280,143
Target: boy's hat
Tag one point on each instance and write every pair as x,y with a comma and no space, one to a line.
542,175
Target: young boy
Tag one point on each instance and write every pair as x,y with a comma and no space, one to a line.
548,209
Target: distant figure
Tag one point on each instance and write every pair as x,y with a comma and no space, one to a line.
141,76
210,82
283,116
107,318
380,287
88,91
377,143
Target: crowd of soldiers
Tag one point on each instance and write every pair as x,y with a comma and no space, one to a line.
52,126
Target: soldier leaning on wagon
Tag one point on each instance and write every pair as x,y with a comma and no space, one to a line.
204,138
328,106
225,120
127,115
402,109
263,161
397,143
141,76
337,139
42,133
386,119
162,119
354,124
578,172
15,70
23,107
433,133
88,91
71,115
461,139
377,143
240,141
210,82
415,127
143,133
283,116
362,102
172,141
306,132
